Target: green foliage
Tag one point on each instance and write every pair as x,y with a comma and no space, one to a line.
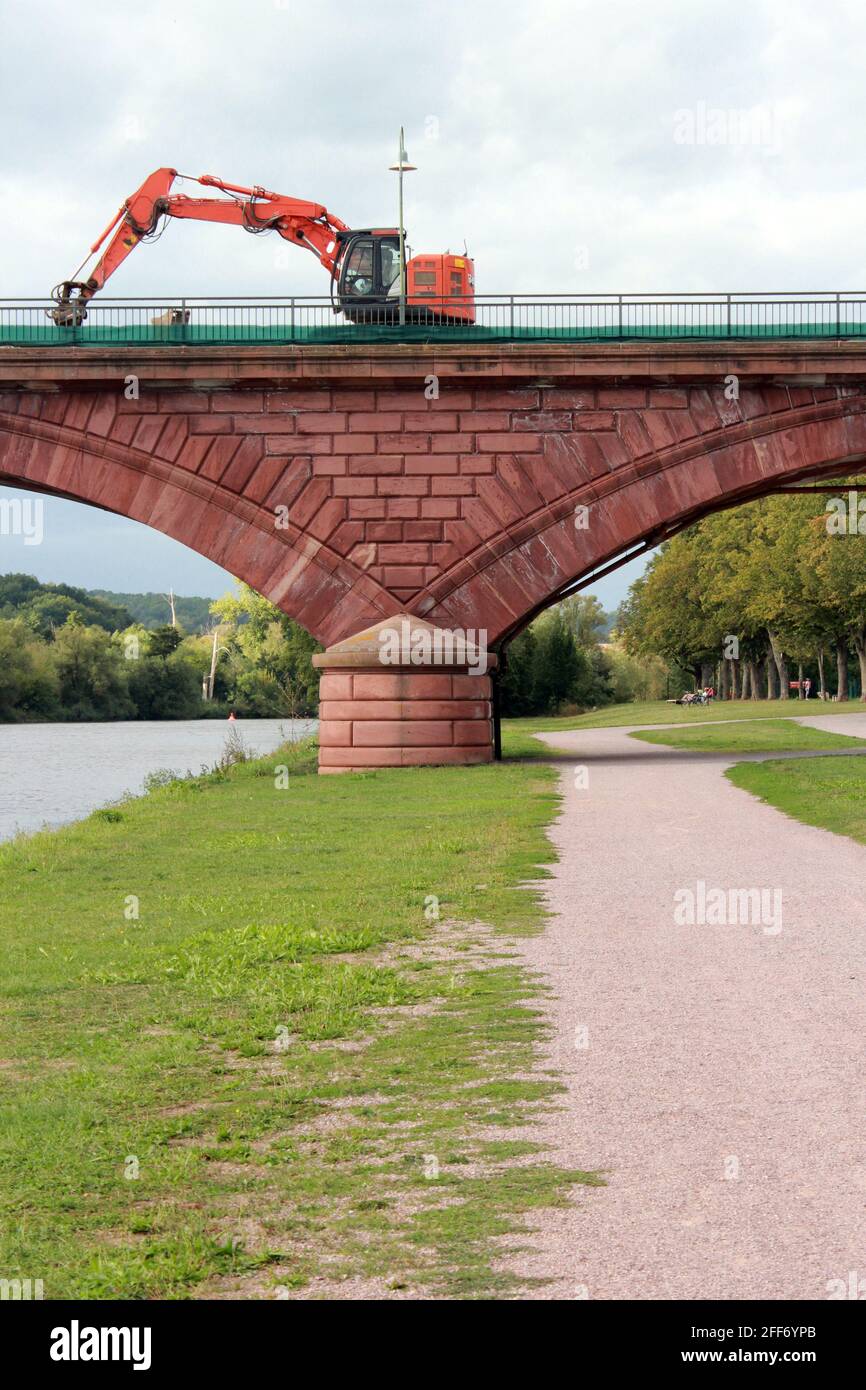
45,607
557,662
663,613
91,676
152,610
268,668
67,655
164,688
639,678
163,641
770,573
516,684
28,684
586,618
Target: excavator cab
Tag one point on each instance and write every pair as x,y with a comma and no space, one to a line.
439,289
369,280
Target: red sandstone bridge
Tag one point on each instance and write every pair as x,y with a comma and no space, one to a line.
463,482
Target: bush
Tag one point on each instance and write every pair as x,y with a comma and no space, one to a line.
164,688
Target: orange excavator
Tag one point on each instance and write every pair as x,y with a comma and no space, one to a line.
364,265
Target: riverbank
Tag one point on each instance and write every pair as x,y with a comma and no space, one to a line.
265,1037
56,773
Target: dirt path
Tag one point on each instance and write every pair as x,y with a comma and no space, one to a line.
723,1084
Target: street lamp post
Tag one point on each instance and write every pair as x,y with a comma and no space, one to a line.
400,168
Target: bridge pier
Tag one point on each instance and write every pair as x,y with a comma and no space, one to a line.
404,694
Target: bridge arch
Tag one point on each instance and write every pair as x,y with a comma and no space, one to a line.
234,526
634,507
339,484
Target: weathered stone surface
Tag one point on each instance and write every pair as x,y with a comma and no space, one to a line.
383,708
327,479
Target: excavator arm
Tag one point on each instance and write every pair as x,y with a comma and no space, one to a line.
255,209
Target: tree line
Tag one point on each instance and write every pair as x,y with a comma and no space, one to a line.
559,664
154,610
759,599
74,654
69,655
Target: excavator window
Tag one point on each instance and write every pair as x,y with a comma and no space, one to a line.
358,277
390,254
370,275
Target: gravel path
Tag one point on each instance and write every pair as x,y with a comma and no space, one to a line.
722,1084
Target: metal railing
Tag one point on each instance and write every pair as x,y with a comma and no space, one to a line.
503,318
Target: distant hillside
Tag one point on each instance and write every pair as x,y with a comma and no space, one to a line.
152,610
46,607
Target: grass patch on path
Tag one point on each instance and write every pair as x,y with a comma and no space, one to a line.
827,792
236,1055
762,736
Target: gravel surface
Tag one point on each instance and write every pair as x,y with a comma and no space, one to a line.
722,1085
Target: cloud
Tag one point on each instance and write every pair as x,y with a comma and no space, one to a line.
535,128
549,136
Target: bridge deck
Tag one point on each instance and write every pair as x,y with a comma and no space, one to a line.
213,365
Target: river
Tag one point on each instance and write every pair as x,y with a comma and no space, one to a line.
54,773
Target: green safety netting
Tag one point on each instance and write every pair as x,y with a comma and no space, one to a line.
92,335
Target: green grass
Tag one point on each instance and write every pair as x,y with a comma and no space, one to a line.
762,736
827,792
658,712
246,1085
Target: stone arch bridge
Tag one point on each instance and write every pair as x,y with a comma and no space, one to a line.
363,487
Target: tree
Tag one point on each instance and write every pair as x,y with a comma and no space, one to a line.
280,651
28,684
90,672
164,687
46,607
767,574
724,543
587,619
192,614
516,683
838,565
593,684
162,641
664,615
558,664
638,678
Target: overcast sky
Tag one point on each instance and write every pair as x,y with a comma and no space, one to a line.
611,146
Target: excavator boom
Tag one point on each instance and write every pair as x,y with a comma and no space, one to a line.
255,209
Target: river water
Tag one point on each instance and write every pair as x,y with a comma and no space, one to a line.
54,773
